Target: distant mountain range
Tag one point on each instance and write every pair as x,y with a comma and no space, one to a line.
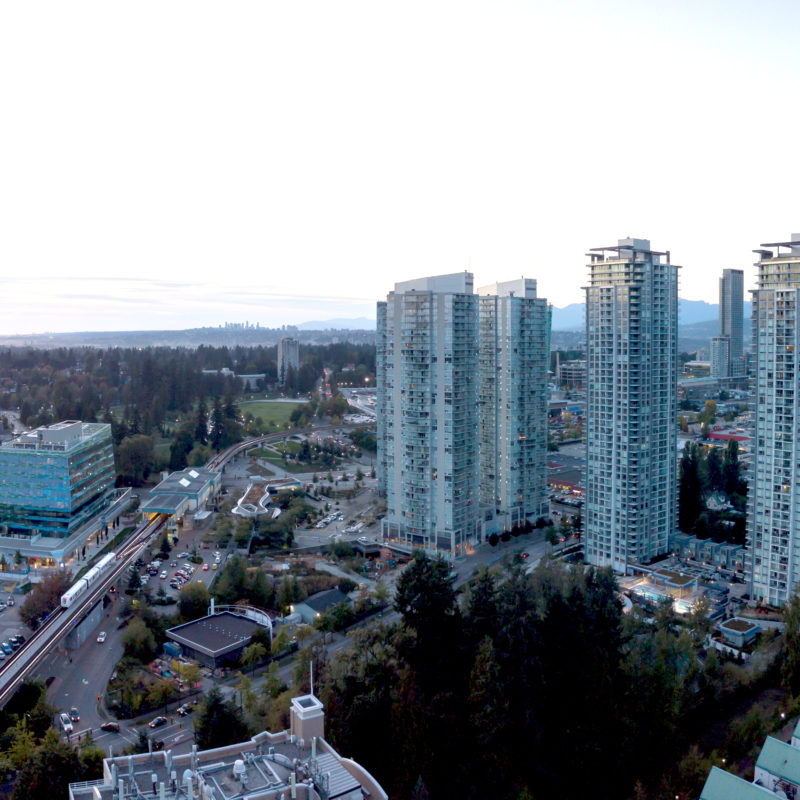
690,312
569,318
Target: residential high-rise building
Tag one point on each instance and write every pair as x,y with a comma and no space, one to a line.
514,357
55,478
427,369
288,358
773,524
720,357
731,317
631,404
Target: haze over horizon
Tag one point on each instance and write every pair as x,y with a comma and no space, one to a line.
171,166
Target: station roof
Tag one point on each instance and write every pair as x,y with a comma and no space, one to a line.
172,504
191,481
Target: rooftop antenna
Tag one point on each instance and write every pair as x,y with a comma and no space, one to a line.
311,671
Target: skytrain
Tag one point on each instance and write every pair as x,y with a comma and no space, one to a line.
91,577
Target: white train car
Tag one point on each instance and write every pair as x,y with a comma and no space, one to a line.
81,586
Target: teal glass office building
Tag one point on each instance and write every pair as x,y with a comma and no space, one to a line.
55,479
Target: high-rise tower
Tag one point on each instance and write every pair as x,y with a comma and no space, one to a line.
427,370
773,508
731,318
631,408
514,355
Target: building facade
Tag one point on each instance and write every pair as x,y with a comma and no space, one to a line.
288,357
514,357
731,318
773,525
572,374
720,357
631,404
427,366
55,479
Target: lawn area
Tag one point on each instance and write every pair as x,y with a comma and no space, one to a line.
268,410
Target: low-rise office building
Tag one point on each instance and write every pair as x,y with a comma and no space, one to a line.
55,479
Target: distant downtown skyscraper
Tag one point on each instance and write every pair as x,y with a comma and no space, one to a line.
631,408
773,524
727,350
462,409
514,355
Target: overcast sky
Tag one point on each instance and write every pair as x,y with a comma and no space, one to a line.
171,164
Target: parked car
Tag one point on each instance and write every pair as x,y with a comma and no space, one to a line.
157,722
66,723
111,727
101,637
20,638
205,567
163,576
6,647
74,715
10,601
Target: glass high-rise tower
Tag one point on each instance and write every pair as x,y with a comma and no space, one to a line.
631,404
731,324
427,372
773,524
514,355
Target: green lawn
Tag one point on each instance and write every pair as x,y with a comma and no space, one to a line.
268,410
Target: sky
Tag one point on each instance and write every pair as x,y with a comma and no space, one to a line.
175,164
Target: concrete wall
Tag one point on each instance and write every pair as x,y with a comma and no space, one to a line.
86,628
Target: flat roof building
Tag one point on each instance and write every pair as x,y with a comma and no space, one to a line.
217,638
196,485
295,763
55,478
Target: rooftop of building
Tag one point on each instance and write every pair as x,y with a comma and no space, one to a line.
266,767
187,481
721,785
215,634
63,436
454,283
322,601
165,503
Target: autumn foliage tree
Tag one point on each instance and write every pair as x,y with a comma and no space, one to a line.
44,598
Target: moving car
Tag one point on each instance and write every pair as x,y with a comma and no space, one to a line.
184,710
205,567
101,637
111,727
157,722
74,715
66,724
10,601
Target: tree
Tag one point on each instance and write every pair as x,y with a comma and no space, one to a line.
44,598
136,457
730,467
218,724
217,425
253,654
47,774
138,641
201,423
714,467
193,601
790,663
180,448
690,489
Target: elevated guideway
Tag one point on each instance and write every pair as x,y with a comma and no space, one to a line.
61,621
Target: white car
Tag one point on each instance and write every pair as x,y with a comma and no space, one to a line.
66,722
163,575
101,637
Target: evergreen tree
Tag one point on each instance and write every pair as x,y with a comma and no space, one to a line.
217,425
201,423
